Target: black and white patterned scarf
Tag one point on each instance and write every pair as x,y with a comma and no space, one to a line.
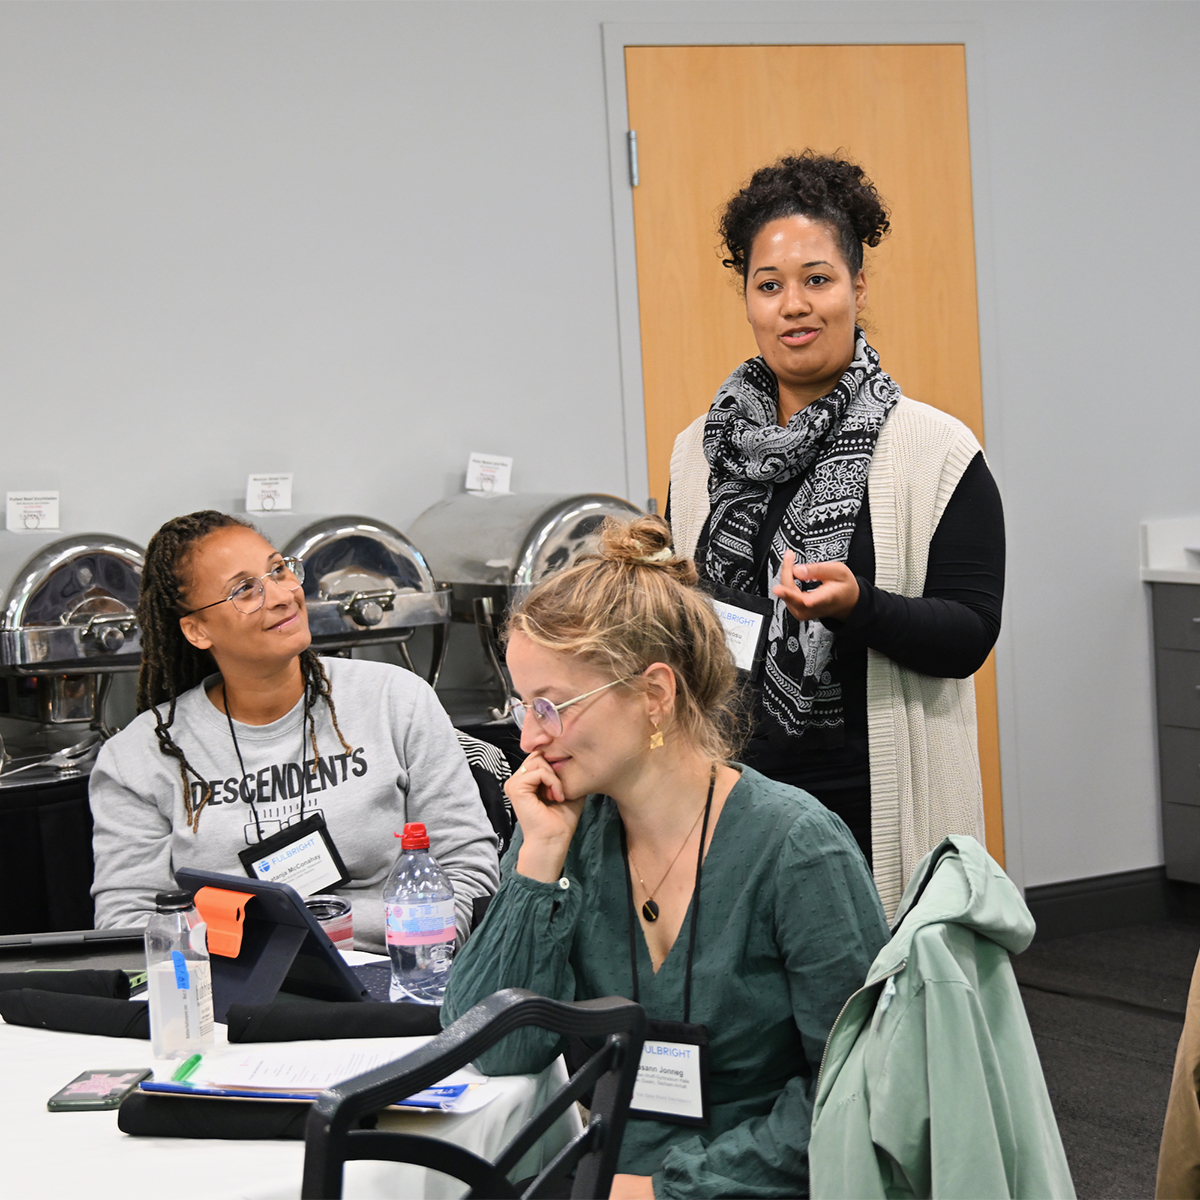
829,443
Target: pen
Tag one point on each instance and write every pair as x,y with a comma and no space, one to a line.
186,1069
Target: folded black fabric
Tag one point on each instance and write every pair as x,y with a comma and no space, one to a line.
113,984
296,1022
144,1114
76,1014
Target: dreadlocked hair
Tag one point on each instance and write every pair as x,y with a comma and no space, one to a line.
171,665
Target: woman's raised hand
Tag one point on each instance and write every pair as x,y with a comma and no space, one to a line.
548,819
836,597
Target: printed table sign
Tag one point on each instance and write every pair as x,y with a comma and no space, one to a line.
30,511
269,493
490,474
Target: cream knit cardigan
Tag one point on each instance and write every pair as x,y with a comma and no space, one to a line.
924,754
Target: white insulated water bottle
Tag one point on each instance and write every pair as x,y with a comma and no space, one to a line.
418,902
178,982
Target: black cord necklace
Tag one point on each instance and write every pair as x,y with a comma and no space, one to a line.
304,722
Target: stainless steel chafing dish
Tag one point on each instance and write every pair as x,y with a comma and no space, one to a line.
365,583
68,631
492,549
69,626
69,616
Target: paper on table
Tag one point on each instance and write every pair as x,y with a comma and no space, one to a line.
312,1066
295,1066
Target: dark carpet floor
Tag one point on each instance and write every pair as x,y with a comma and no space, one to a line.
1106,1011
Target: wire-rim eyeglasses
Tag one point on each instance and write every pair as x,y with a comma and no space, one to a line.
548,713
248,595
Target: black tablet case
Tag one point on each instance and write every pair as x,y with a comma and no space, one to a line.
285,952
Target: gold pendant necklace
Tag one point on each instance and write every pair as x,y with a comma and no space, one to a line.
650,909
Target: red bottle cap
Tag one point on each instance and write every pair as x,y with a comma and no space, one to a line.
414,837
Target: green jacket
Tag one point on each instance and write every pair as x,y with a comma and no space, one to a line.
931,1085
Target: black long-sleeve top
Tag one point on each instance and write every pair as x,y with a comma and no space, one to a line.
947,631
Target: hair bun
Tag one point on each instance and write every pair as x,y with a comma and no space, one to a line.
822,187
644,542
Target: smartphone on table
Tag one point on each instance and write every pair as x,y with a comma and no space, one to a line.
98,1089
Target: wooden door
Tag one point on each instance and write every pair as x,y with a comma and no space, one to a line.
706,117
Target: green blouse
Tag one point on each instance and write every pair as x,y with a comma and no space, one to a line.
789,923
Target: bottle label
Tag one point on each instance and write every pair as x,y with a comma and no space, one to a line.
182,982
419,924
198,1008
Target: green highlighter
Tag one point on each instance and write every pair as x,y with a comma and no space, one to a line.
186,1069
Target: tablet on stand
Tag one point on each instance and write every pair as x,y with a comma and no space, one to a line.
285,954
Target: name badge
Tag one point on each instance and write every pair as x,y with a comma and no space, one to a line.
742,629
303,856
672,1078
746,620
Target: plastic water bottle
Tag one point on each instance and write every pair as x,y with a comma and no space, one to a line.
178,984
418,902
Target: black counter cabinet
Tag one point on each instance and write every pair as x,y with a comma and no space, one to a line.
1176,611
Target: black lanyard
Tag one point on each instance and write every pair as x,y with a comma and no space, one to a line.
238,751
691,950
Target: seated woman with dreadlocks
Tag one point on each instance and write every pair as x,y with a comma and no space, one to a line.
237,741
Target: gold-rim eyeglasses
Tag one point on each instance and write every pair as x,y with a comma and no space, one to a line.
548,713
248,595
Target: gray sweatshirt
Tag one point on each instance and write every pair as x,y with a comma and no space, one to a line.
405,765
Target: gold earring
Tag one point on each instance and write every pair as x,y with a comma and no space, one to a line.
656,738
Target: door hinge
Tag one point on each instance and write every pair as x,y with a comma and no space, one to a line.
633,163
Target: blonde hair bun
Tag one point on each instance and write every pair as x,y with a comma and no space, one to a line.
634,603
644,542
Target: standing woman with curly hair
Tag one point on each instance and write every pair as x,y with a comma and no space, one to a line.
238,740
868,522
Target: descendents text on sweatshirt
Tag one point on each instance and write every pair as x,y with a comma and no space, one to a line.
405,764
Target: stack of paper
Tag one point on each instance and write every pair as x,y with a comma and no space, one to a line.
300,1070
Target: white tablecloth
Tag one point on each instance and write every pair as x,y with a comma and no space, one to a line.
52,1155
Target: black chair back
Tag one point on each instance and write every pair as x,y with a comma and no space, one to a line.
333,1139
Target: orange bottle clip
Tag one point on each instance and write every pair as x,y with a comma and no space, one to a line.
223,913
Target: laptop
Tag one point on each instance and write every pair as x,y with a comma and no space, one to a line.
87,938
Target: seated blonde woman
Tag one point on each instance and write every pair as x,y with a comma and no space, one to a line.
737,910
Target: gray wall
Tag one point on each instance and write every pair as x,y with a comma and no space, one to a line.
357,241
1093,171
